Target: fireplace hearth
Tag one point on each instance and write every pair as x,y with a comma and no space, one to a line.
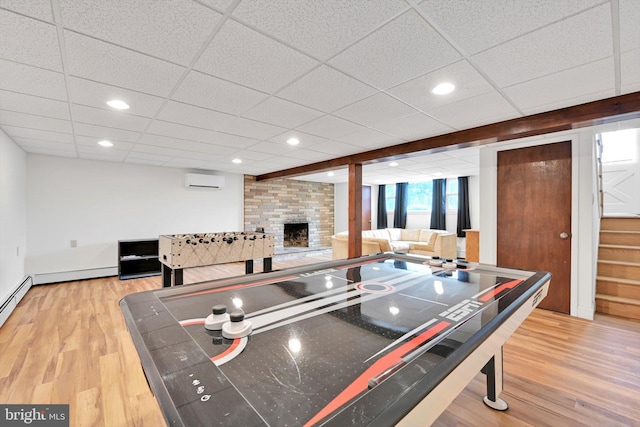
296,235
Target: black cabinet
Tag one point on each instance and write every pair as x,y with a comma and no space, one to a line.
138,258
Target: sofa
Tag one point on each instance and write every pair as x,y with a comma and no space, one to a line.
427,242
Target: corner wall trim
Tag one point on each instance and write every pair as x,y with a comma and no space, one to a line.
8,305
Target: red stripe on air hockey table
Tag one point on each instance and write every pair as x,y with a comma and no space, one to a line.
228,288
381,365
495,291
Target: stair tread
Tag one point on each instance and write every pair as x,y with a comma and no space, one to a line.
604,230
610,246
622,300
625,263
618,280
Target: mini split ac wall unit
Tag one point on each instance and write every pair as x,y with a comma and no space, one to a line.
196,180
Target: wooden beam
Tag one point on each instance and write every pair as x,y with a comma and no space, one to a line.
355,210
608,110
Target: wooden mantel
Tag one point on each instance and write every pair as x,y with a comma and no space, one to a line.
609,110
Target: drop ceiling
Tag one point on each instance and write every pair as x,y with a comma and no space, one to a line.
210,81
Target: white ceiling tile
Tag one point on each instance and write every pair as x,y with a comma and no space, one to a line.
204,149
413,127
374,109
32,144
210,92
19,102
92,141
178,131
36,134
312,90
235,141
114,119
486,108
184,163
410,47
31,80
151,157
190,115
417,92
369,139
306,139
479,25
220,5
629,25
11,118
319,28
89,93
580,99
251,128
282,113
630,71
40,9
238,53
96,60
336,148
103,132
554,48
561,89
29,41
174,32
330,127
101,153
271,148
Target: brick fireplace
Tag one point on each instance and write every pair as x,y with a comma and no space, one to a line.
274,203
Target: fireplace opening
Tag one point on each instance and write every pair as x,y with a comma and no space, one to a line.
296,235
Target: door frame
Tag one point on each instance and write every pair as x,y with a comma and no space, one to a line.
585,217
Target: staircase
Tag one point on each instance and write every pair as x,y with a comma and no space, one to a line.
618,280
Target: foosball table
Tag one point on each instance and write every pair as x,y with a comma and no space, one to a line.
180,251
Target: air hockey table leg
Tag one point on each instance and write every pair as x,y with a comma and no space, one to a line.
493,370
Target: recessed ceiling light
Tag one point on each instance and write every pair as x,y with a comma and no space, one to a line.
330,174
237,160
443,89
393,164
118,104
437,174
293,141
106,143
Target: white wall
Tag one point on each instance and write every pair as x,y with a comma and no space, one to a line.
341,207
98,203
584,196
13,213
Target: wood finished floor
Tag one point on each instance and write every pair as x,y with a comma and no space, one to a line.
67,343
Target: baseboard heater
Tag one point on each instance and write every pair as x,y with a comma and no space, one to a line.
68,276
12,301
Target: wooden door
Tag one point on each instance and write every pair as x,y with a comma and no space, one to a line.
366,207
534,215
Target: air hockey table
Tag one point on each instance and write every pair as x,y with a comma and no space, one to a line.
381,340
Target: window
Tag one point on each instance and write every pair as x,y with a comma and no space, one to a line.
419,196
452,194
619,146
390,194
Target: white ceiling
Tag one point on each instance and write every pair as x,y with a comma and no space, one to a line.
209,81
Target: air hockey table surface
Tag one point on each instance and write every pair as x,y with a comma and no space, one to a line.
350,342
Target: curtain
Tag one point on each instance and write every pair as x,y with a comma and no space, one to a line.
464,219
439,205
382,207
400,214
